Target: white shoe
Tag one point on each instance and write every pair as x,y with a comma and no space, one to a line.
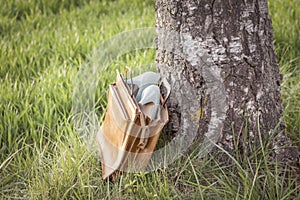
149,102
142,81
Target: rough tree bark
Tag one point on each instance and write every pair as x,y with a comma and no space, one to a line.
220,60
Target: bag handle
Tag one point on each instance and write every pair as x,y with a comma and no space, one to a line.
168,87
126,69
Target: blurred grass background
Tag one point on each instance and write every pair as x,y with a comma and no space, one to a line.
42,45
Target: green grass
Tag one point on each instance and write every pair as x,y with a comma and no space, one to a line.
286,26
42,45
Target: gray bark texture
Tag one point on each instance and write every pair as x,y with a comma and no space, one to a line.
219,58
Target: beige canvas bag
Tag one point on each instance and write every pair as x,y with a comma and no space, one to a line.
127,137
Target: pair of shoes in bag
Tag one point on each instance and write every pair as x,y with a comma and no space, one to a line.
148,92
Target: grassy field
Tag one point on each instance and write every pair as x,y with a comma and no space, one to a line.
43,44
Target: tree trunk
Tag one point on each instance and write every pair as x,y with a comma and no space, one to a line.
220,60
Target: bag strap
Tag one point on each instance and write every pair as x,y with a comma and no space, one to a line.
144,133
